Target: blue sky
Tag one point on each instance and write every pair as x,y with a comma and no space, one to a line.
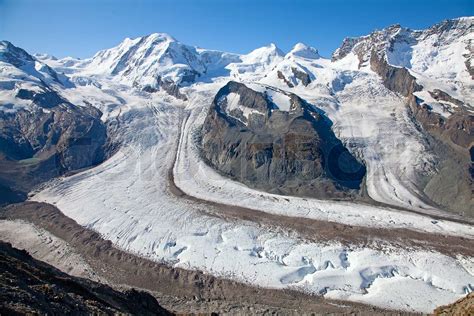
81,28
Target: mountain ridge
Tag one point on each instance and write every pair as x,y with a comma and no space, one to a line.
158,63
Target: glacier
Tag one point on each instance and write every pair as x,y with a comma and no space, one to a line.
128,198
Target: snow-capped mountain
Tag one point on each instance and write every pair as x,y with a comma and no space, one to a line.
439,57
257,63
41,130
24,80
304,51
143,60
12,56
430,67
396,104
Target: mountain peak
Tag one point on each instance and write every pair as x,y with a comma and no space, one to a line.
14,55
269,51
7,46
160,37
305,51
4,43
273,46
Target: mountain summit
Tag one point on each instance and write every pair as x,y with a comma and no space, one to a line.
304,51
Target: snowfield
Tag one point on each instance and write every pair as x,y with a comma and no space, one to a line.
128,200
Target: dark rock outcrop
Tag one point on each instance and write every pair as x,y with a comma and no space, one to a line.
452,141
281,76
49,139
168,86
457,130
366,46
397,79
292,152
464,306
171,88
470,58
440,95
301,75
298,74
29,286
346,48
449,138
44,135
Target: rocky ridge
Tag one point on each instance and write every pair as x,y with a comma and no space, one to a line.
29,286
389,54
283,148
42,134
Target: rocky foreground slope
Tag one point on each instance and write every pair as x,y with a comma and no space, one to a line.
464,306
29,286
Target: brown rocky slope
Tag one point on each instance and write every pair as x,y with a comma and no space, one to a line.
29,286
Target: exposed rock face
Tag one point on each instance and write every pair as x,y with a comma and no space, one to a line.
388,53
464,306
282,77
388,39
42,134
366,46
48,140
29,286
439,95
303,76
470,59
457,129
291,151
167,85
346,48
452,141
394,78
